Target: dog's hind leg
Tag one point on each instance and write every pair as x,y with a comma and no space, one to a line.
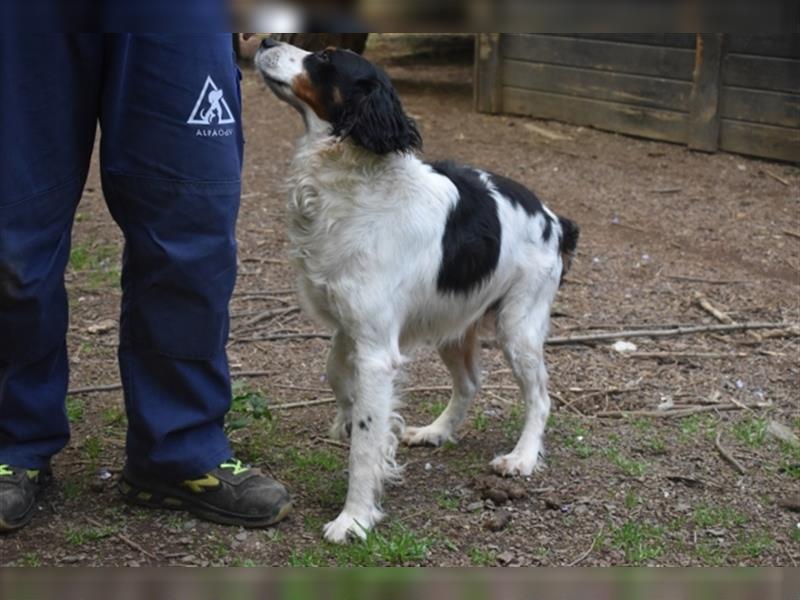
372,444
341,378
522,328
462,360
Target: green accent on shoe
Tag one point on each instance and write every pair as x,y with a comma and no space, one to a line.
236,465
33,474
198,486
6,471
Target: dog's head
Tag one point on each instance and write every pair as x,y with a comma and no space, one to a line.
344,91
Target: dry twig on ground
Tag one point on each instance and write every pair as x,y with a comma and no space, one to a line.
729,458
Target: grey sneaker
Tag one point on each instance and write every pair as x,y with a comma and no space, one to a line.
19,488
231,494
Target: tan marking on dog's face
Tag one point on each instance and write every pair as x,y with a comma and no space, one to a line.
337,96
305,91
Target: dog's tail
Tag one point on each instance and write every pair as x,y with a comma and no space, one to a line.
567,243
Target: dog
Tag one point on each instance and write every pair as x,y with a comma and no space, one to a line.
393,253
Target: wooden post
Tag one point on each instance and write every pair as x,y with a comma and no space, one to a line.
488,86
703,119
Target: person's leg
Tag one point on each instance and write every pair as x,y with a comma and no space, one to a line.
50,99
171,164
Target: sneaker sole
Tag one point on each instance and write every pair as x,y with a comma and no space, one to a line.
139,495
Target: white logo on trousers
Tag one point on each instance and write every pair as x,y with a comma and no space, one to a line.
211,107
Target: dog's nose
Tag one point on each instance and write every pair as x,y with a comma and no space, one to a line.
268,43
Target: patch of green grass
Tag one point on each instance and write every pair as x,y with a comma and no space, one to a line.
642,425
710,553
639,541
577,441
631,500
709,515
469,463
480,422
693,425
631,468
247,406
320,472
100,263
752,432
447,502
512,424
317,459
435,408
30,559
243,563
93,448
74,409
482,558
174,521
314,557
752,545
790,459
677,524
78,536
399,546
656,444
794,534
114,417
73,489
313,523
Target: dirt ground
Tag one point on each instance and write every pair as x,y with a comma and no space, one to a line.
659,223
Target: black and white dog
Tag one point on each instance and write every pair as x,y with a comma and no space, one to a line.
392,253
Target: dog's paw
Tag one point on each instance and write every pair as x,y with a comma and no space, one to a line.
425,436
346,527
341,428
512,465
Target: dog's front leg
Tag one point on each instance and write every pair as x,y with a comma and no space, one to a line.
372,444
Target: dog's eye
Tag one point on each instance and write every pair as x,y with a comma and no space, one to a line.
324,55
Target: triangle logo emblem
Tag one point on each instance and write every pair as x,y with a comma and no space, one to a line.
211,107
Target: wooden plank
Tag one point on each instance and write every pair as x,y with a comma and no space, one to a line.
488,98
670,63
776,45
765,141
761,72
769,108
675,40
704,103
654,92
613,116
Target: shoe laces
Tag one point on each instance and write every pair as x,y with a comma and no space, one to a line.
235,465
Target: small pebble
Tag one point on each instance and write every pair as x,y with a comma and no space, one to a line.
475,506
499,521
552,501
496,496
505,558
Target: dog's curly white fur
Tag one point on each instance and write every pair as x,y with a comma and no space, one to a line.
393,253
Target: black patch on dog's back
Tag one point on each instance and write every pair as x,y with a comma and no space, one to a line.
472,234
519,195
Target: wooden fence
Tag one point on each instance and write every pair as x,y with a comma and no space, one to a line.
734,92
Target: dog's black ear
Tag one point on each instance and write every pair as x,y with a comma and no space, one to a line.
374,118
